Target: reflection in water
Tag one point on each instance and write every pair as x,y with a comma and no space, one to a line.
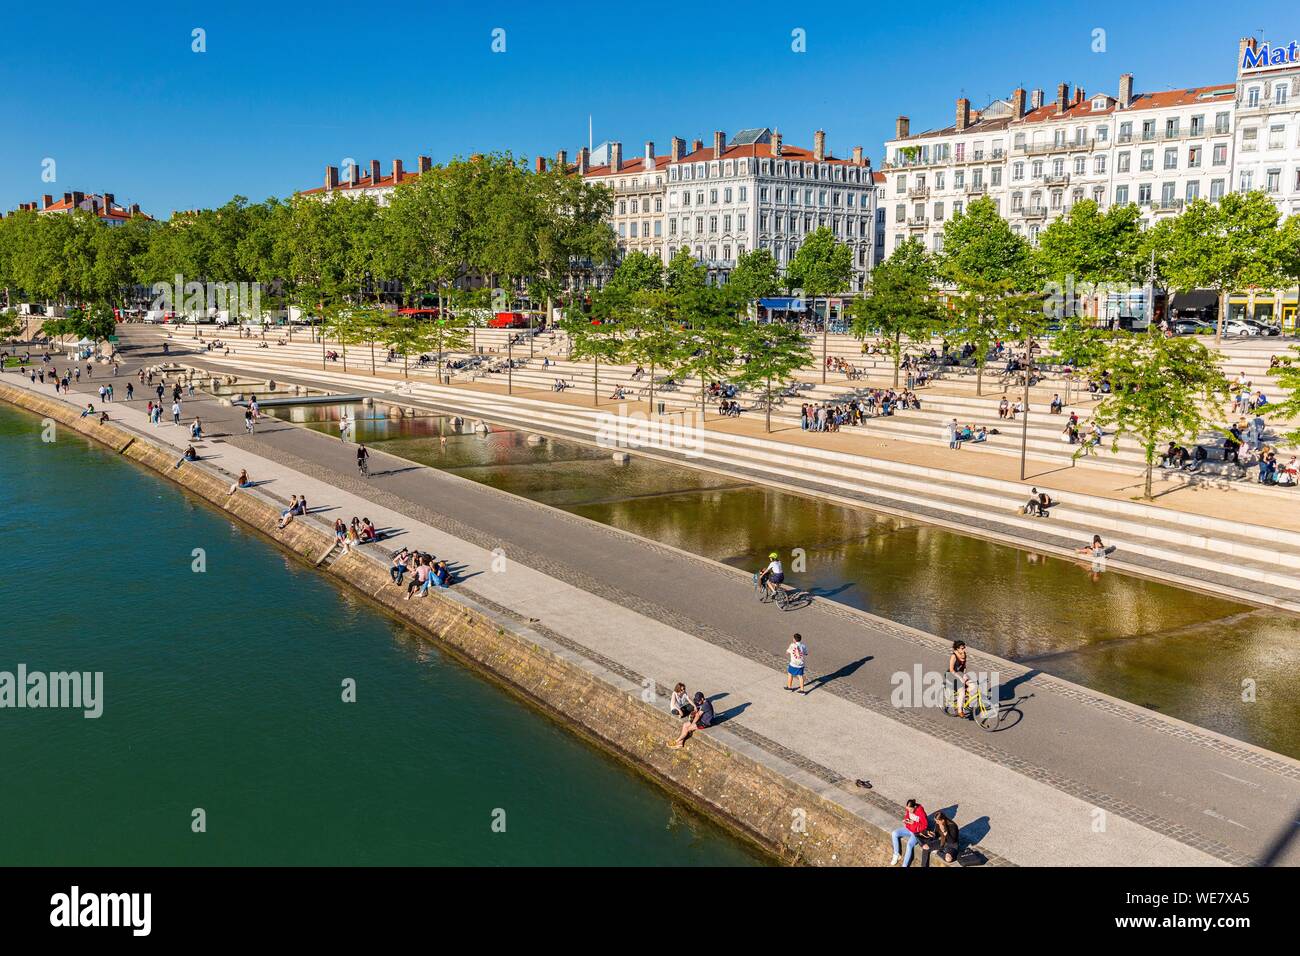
1180,652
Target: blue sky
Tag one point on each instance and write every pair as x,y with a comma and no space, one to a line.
121,103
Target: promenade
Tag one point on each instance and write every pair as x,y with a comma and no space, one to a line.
1076,779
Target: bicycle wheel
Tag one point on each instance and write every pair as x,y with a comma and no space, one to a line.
949,702
987,717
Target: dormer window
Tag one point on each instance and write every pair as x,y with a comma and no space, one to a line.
1099,103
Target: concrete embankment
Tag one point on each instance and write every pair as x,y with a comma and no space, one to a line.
786,817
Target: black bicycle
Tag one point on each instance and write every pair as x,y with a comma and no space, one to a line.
781,596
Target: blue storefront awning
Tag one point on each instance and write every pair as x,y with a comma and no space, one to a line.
785,304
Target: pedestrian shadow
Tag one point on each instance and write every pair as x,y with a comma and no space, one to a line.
829,592
321,509
258,484
1274,854
731,713
394,471
846,671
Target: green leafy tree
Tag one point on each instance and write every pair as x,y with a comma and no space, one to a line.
978,245
1225,246
709,346
756,276
684,273
900,303
1161,389
1087,248
770,353
597,336
653,333
407,338
638,272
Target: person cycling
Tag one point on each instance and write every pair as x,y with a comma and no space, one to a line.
363,460
957,677
772,575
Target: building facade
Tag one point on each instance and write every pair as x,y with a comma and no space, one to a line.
756,192
1159,150
102,205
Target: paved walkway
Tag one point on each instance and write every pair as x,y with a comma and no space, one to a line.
1076,778
1215,499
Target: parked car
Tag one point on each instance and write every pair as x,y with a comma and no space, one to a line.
1239,327
1192,327
1264,328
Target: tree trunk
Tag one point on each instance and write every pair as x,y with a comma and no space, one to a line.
979,378
595,381
769,404
1151,458
898,349
1223,316
372,354
652,387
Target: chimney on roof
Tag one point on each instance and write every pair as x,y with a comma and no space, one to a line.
397,171
539,164
902,127
1078,95
1036,100
649,154
615,157
1062,96
1244,44
676,148
776,144
697,145
354,172
562,160
424,164
857,155
584,161
46,201
963,113
719,143
1125,90
67,198
77,199
135,209
108,203
374,171
331,178
1018,102
819,145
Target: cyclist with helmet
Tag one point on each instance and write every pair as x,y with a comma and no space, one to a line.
772,575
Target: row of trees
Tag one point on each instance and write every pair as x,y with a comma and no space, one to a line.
489,216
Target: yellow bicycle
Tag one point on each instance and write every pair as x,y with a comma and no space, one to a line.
986,716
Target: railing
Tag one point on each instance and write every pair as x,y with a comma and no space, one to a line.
919,192
1034,212
1056,179
1166,205
976,189
917,222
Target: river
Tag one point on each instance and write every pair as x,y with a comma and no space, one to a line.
223,692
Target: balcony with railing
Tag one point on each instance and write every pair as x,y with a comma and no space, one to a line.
976,189
1032,212
1166,205
919,192
917,222
1056,179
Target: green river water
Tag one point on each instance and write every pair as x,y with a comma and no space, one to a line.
223,692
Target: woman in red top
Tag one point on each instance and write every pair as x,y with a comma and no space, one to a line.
914,824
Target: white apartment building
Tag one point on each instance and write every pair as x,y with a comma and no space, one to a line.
1159,150
1036,159
1267,152
104,206
755,192
371,181
638,218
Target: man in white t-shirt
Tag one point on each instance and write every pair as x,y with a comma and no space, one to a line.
798,654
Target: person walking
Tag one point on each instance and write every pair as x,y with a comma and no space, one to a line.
176,412
797,652
248,420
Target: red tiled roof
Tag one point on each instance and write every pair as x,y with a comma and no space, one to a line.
763,150
364,182
634,165
1141,101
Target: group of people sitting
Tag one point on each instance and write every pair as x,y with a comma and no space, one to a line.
297,508
426,571
359,531
696,711
877,401
718,389
1009,410
729,408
